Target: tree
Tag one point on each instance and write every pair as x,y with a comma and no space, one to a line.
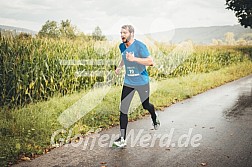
242,10
220,42
229,38
50,29
247,37
215,42
97,34
24,35
241,41
67,30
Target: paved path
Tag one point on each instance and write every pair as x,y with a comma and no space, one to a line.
210,129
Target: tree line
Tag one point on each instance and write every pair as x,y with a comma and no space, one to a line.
64,29
229,39
51,29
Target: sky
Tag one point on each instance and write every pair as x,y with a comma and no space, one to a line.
147,16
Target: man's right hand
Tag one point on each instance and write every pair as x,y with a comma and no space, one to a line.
118,70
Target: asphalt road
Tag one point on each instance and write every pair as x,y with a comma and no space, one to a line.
211,129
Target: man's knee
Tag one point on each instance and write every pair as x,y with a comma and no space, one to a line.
124,109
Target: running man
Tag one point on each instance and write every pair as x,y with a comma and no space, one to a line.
135,58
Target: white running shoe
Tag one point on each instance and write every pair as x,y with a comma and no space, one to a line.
157,125
120,142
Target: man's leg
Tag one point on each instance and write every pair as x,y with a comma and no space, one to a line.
126,98
144,92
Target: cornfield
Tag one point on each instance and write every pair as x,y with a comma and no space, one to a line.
31,69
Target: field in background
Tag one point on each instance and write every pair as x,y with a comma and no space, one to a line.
31,69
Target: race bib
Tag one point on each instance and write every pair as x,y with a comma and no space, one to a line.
132,71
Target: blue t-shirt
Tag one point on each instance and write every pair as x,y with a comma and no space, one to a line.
136,74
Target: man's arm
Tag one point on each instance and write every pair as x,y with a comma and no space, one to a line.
148,61
118,68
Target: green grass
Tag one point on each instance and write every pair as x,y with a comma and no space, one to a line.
27,131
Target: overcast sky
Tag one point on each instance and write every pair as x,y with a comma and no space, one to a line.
146,15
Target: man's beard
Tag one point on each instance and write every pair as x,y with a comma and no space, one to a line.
127,39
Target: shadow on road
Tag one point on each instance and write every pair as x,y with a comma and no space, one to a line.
243,105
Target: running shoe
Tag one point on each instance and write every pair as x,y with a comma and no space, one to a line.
157,124
120,142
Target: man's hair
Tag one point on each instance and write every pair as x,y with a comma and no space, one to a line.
129,27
